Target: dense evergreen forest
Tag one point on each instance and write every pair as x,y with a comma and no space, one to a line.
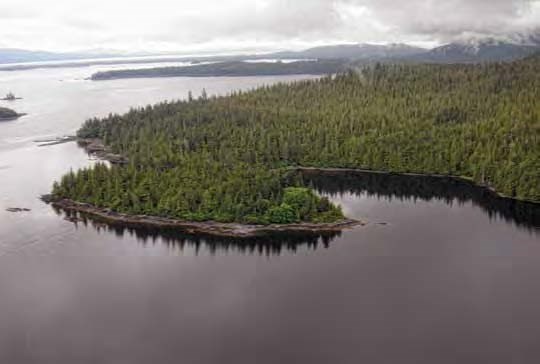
224,158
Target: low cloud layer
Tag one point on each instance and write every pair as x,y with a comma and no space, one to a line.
217,25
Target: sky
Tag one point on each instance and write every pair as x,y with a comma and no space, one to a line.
196,26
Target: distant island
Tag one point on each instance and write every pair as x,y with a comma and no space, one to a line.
8,114
235,159
229,69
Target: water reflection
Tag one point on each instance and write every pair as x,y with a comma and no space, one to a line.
413,188
267,244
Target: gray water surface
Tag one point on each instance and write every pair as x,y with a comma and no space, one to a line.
452,276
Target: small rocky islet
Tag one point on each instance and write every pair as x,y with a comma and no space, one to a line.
7,114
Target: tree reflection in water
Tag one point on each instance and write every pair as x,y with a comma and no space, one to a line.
413,188
268,244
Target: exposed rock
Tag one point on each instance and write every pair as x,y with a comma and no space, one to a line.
47,198
98,149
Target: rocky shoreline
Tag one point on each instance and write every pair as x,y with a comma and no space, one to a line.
231,230
96,147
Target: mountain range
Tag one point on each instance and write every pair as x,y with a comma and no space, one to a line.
474,49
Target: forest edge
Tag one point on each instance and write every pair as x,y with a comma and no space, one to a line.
97,148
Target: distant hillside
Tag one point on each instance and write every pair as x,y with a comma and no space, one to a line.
354,52
20,55
230,69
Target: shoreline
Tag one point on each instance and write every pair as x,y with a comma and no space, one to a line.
231,230
463,179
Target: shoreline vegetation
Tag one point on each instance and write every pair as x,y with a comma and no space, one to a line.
232,230
229,69
229,159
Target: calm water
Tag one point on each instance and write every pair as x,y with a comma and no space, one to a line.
452,276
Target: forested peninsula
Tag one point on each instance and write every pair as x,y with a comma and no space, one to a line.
232,158
229,69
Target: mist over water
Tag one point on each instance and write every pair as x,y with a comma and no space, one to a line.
442,273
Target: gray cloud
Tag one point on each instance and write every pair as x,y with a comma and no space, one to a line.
448,19
272,19
373,20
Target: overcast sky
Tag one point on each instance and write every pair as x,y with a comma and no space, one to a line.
191,26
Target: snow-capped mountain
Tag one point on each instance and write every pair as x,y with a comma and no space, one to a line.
531,38
494,48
